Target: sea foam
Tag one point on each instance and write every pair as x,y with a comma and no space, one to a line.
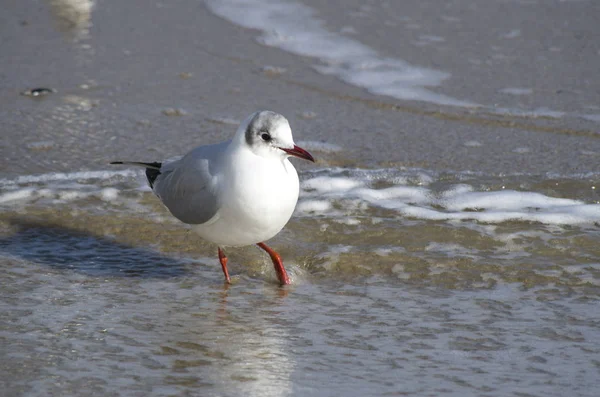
337,193
296,28
349,195
293,27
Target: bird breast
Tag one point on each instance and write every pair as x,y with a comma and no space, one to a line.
258,197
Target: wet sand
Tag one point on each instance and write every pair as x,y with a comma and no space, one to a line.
117,77
436,249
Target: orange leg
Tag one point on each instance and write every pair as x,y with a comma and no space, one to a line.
277,263
223,260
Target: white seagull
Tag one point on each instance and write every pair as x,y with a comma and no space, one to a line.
235,193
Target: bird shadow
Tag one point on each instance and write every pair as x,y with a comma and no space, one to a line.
63,248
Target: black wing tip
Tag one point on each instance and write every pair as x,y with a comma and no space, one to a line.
155,165
151,175
152,169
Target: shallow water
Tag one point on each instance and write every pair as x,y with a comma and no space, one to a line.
446,242
103,292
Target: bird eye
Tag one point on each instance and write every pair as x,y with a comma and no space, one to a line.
266,136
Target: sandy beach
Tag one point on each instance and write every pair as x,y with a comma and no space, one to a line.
445,242
120,70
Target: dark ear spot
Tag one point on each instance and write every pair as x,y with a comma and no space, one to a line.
251,130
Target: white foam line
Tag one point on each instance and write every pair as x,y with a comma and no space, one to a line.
401,173
504,200
293,27
458,203
66,176
19,195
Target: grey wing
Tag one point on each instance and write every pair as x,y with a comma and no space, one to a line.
188,187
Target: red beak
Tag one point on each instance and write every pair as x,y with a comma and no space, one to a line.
299,152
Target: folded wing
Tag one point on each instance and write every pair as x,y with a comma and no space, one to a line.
189,187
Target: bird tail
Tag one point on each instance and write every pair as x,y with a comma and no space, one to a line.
152,169
154,165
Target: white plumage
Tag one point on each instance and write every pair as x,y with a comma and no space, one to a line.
235,193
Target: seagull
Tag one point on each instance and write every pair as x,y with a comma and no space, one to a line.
235,193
